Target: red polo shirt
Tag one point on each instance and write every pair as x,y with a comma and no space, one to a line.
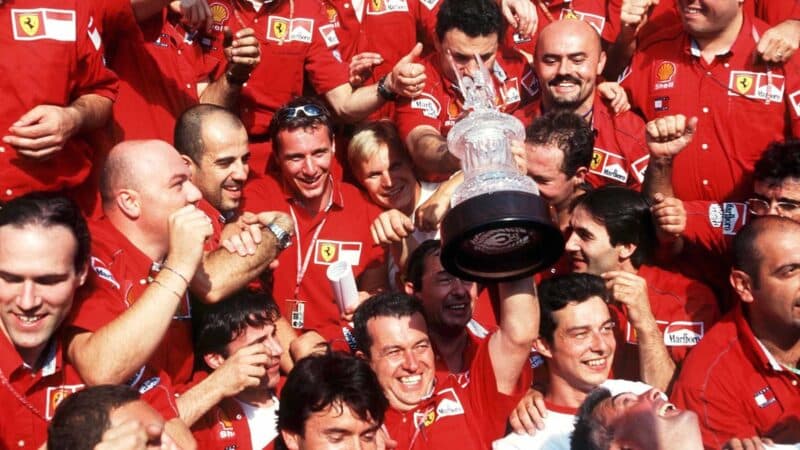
159,64
620,154
225,427
121,274
459,415
440,104
737,388
30,398
341,232
55,51
684,310
729,96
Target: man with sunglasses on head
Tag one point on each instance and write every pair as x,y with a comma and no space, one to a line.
331,219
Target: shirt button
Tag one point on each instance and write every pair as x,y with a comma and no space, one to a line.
705,182
726,65
9,192
708,73
142,281
705,109
346,5
704,146
2,149
238,417
794,382
188,85
180,52
255,20
21,443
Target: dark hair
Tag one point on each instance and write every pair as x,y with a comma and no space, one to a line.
558,292
217,325
781,160
281,120
473,17
50,210
415,266
590,433
82,418
332,380
382,305
626,216
567,131
188,135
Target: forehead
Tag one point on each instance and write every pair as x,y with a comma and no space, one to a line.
581,218
433,263
36,249
593,311
786,188
459,42
568,37
779,247
304,140
545,158
390,331
338,416
222,142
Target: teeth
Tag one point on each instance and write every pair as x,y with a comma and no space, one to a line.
457,307
413,379
596,363
29,319
666,407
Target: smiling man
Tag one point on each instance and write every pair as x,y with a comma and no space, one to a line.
44,258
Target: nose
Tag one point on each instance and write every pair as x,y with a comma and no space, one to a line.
28,300
273,347
193,195
563,66
652,395
410,362
240,171
386,179
309,166
572,243
599,344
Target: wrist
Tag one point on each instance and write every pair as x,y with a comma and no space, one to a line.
75,120
385,90
236,77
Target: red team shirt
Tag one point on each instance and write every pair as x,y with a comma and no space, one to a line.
58,42
737,388
440,104
29,398
159,64
684,310
729,96
120,276
342,233
459,415
620,154
225,427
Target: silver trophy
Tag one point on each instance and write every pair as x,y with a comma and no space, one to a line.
498,227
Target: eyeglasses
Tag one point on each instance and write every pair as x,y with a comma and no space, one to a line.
759,207
309,110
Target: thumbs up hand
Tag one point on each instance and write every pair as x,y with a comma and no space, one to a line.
408,75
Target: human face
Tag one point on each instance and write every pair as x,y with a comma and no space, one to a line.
709,19
336,427
648,421
787,192
167,189
265,336
775,297
38,280
446,299
305,161
544,166
402,358
223,169
463,49
568,61
389,180
141,412
589,246
582,350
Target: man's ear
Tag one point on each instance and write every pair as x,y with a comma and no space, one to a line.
408,288
291,440
601,63
129,202
213,360
626,251
190,164
580,175
541,346
360,354
742,284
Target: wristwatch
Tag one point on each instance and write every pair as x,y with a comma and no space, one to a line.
283,238
384,92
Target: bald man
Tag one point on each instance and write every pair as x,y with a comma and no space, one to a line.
568,62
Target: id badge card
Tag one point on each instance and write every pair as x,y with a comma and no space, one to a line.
297,312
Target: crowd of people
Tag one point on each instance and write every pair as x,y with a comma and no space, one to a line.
171,202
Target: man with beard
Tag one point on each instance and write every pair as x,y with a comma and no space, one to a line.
568,62
237,339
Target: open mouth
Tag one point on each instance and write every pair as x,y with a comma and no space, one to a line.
411,380
29,319
599,363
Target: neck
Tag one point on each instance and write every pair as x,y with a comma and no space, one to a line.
260,398
318,204
450,346
721,43
155,249
409,210
782,342
561,393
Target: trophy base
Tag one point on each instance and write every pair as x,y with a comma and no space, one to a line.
499,236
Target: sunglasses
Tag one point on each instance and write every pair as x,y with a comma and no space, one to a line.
309,110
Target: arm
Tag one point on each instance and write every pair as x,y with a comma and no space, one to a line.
633,16
780,42
221,272
510,346
656,367
243,54
430,214
666,137
114,352
428,150
45,129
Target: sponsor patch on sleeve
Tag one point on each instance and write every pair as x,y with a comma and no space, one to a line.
328,33
683,334
430,4
102,271
734,216
428,104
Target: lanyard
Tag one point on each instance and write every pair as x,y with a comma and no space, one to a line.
302,262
